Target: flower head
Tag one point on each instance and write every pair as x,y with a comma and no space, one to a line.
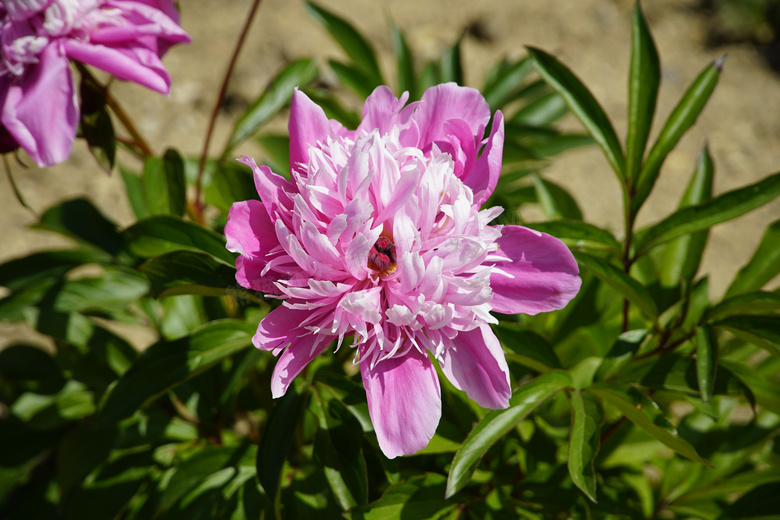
37,38
380,235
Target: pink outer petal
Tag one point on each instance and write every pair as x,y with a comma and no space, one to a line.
130,63
475,362
41,112
308,125
293,360
544,270
381,110
483,177
279,328
251,233
166,6
404,401
443,102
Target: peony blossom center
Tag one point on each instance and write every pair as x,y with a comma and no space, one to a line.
382,255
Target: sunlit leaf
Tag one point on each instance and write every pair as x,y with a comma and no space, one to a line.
451,66
417,498
164,184
587,417
762,267
162,234
758,302
577,231
526,347
763,331
407,82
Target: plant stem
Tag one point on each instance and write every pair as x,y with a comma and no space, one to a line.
11,180
198,207
628,218
119,112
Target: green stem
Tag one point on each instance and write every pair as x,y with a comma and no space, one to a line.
11,180
197,205
628,218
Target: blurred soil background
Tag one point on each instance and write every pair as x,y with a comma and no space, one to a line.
741,124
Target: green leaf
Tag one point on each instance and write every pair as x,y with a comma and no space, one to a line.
185,272
556,202
762,267
48,412
451,65
228,182
632,290
352,78
81,221
416,498
21,272
582,103
95,124
527,347
407,82
277,439
164,184
584,441
134,187
581,232
162,234
682,256
299,73
636,416
166,364
750,303
643,81
759,503
541,112
679,122
702,216
333,108
497,423
507,83
115,289
351,41
338,450
706,360
762,331
277,150
622,351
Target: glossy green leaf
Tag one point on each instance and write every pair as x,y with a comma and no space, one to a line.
763,331
629,288
679,122
420,497
134,188
584,441
643,81
682,255
333,108
166,364
706,360
352,78
162,234
114,289
629,409
20,272
338,449
96,126
451,69
621,352
580,232
497,423
527,347
186,272
80,220
277,439
556,202
702,216
507,83
542,111
277,150
47,412
356,47
164,184
582,103
759,302
228,182
299,73
697,305
762,267
407,81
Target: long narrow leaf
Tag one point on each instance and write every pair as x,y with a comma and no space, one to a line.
762,267
407,81
587,417
720,209
706,360
582,103
643,80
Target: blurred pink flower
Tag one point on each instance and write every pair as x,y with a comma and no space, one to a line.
37,93
380,235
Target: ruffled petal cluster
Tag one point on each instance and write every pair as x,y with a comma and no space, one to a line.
125,38
380,236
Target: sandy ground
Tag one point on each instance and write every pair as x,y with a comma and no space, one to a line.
741,123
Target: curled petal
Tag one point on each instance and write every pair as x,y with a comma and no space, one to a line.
294,359
544,273
279,328
381,110
404,401
308,125
474,362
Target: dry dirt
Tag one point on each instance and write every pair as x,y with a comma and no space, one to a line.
741,123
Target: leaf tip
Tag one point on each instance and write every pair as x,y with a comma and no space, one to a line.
718,64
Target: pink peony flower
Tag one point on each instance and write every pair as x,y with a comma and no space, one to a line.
380,235
37,94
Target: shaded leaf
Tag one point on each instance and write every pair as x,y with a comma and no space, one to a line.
763,331
762,267
451,69
750,303
352,78
164,184
416,498
407,81
186,272
95,124
226,183
556,202
584,441
134,188
277,149
621,352
20,272
506,83
162,234
277,439
542,111
80,220
706,360
527,347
